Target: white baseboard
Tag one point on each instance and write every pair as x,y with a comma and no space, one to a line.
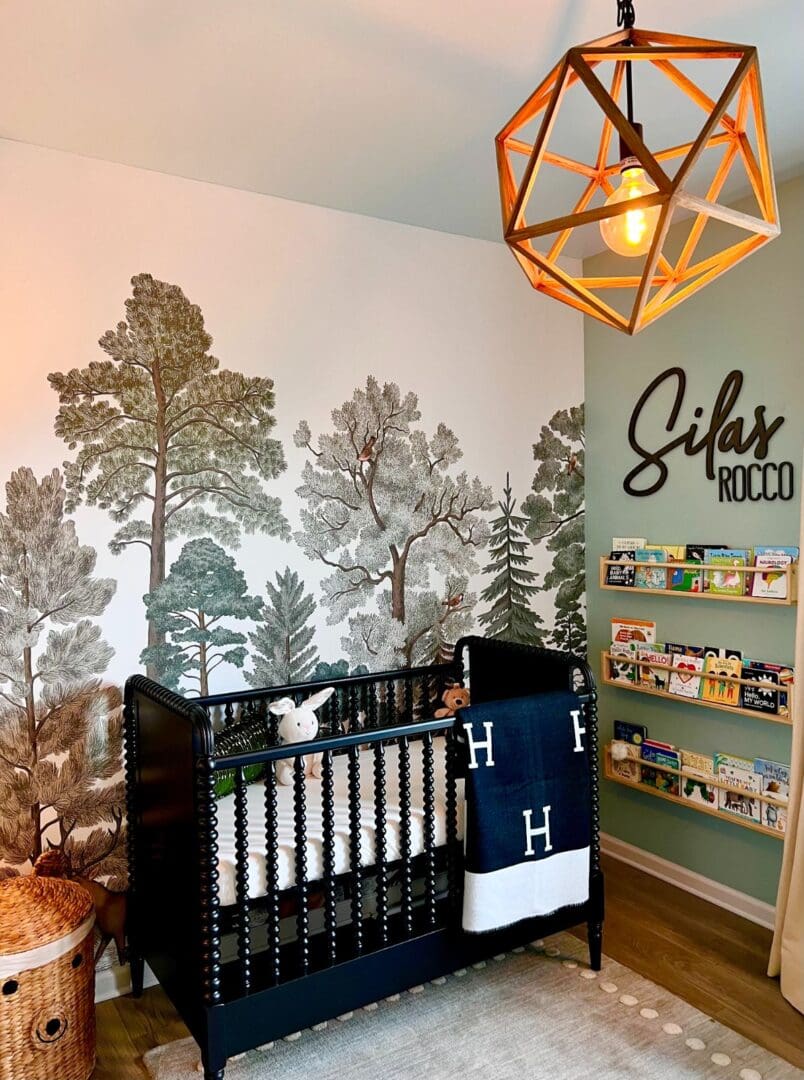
115,981
756,911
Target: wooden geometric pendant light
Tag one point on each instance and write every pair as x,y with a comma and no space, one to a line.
733,134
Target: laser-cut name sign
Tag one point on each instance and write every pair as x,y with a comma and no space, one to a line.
725,433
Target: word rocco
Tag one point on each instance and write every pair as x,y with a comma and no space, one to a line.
487,746
725,434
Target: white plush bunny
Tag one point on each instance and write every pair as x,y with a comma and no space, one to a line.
299,724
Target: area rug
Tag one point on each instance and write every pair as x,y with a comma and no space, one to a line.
534,1014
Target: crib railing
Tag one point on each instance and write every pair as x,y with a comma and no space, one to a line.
337,942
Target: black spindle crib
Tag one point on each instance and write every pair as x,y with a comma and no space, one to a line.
276,908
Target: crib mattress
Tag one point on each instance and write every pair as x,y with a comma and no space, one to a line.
315,840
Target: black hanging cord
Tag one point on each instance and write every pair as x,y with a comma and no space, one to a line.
626,17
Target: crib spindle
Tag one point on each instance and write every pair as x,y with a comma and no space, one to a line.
409,701
335,721
380,852
241,880
429,829
404,835
328,821
390,702
452,820
372,705
228,714
302,888
272,872
354,849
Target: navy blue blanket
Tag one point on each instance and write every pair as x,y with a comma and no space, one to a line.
528,816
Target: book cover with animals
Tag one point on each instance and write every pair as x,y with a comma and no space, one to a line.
685,682
650,577
773,581
621,575
664,754
728,581
653,678
761,699
622,670
641,630
698,774
775,781
698,553
669,783
722,690
738,772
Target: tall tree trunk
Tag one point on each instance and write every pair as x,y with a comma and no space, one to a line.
157,568
203,674
30,714
398,566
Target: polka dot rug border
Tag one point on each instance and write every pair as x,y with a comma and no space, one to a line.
533,1014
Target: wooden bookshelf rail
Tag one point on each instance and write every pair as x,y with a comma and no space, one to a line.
606,659
790,572
680,801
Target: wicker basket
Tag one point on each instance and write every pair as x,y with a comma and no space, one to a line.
47,980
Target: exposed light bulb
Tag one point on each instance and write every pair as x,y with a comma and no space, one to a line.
631,233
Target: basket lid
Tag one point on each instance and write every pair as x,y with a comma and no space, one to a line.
35,911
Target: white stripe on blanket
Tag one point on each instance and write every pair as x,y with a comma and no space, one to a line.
525,890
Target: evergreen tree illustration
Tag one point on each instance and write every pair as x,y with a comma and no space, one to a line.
555,511
204,586
160,427
338,669
569,629
510,617
60,728
387,512
283,650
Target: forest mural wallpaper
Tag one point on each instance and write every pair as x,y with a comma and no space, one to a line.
251,538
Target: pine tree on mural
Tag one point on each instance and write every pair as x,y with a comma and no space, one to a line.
60,729
555,511
283,652
203,587
385,512
338,669
159,426
569,629
510,617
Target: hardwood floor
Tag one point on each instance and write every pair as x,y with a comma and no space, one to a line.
711,958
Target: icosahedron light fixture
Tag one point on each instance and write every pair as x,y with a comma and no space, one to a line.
635,218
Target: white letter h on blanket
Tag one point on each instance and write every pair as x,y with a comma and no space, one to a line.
475,746
530,832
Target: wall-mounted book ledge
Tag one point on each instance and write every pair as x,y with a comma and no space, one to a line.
788,572
721,815
607,659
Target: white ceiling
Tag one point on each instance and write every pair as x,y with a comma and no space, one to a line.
378,107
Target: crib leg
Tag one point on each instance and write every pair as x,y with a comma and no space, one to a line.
137,966
594,934
213,1074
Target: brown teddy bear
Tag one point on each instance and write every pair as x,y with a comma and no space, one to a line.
454,697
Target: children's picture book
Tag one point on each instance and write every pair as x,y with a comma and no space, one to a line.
669,783
630,733
738,772
699,553
728,581
698,774
773,581
786,677
621,576
757,698
649,577
722,690
626,760
653,678
640,630
622,668
775,781
628,543
685,683
660,754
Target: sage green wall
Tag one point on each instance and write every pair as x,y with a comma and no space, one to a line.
750,319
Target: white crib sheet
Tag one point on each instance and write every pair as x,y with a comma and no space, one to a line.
315,842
